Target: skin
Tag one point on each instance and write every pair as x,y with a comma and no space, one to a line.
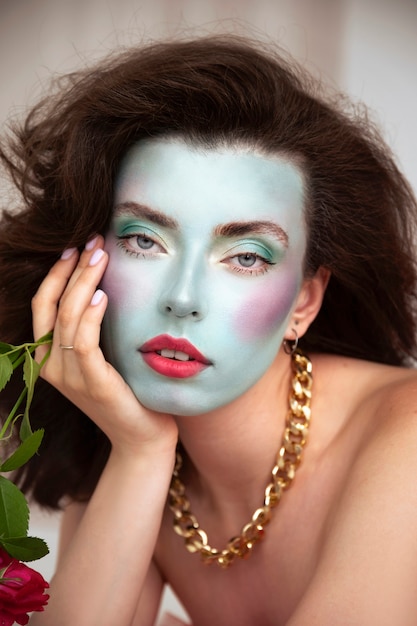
230,295
340,548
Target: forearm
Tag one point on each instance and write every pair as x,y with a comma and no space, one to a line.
100,578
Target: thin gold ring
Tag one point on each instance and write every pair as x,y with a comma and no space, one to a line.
66,347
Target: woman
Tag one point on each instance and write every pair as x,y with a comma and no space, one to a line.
232,216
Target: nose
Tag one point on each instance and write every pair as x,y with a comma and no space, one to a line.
184,296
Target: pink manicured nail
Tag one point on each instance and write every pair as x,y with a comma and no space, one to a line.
96,256
67,254
97,297
91,243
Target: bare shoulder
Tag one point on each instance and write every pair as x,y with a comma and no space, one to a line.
368,563
384,409
379,404
385,393
395,416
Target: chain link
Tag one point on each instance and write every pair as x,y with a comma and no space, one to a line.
287,461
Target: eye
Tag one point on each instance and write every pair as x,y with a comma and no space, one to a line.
144,242
248,263
247,260
140,245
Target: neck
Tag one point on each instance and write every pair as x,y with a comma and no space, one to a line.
231,451
295,432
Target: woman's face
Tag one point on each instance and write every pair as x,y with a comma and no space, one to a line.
206,261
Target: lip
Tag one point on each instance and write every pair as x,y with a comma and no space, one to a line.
171,367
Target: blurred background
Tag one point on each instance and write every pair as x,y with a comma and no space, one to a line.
366,48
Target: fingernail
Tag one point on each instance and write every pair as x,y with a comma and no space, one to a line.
96,256
97,297
67,253
91,243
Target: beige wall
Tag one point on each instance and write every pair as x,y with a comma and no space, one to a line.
380,67
40,37
367,47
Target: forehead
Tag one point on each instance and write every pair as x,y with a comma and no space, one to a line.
216,185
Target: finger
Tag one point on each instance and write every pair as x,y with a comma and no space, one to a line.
86,356
90,247
45,301
87,338
76,299
81,360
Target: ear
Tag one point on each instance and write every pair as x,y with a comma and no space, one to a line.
308,303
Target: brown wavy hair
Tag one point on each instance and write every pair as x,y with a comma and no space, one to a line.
360,211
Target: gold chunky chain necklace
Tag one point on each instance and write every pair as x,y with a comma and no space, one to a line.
283,472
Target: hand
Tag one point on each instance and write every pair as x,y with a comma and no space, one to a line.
67,302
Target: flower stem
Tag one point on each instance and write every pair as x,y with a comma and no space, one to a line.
12,413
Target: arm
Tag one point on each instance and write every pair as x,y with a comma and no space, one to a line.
152,590
106,564
368,570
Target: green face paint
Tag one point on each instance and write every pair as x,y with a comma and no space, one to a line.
206,255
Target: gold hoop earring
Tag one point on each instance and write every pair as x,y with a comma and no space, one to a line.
291,346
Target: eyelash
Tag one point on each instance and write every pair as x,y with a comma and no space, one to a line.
122,243
257,271
248,271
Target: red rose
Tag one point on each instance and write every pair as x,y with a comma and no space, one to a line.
21,591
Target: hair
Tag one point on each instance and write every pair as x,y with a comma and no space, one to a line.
63,159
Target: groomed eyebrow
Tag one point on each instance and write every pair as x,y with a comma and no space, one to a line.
240,229
231,229
142,211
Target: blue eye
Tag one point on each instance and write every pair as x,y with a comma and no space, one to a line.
140,245
144,242
247,260
248,263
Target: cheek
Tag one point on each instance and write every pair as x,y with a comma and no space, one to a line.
266,309
126,288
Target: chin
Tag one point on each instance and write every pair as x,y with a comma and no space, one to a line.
179,407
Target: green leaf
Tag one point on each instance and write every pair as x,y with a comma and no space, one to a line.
25,548
47,338
14,510
6,370
25,430
13,353
6,347
31,371
24,452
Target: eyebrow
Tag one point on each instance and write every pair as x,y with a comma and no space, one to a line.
231,229
238,229
144,212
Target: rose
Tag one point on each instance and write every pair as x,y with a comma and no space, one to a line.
21,591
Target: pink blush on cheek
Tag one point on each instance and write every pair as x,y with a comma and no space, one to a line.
125,293
266,310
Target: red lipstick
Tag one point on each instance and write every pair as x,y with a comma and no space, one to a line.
174,358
